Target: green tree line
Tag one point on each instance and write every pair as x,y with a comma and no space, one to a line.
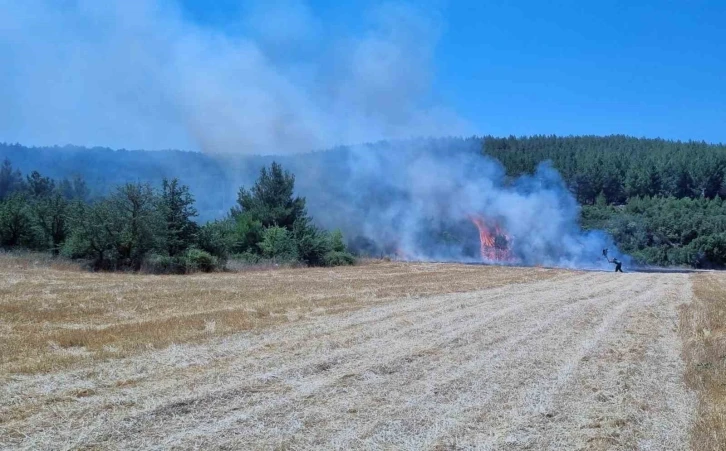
663,201
141,227
618,167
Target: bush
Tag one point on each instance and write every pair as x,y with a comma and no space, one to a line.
312,244
163,264
193,260
247,258
217,238
199,260
336,241
337,258
74,247
278,244
251,262
246,233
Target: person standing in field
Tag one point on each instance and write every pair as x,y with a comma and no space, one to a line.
618,264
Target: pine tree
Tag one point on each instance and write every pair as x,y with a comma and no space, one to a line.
39,186
51,218
15,223
10,180
177,207
271,200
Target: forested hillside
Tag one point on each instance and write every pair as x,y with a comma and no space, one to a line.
663,201
104,169
619,167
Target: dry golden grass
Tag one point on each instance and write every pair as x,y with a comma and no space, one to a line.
380,356
703,328
54,315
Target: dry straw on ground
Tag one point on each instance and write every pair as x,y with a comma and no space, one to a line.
53,318
380,356
703,327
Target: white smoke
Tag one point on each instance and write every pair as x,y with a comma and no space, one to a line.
141,74
416,199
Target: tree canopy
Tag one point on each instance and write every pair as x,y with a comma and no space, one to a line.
139,227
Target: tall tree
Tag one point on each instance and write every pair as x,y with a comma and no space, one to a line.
75,189
134,206
15,223
119,231
177,207
271,200
39,186
10,180
51,218
94,230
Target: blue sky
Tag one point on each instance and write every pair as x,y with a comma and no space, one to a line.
283,76
643,68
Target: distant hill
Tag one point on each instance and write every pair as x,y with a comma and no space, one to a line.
102,168
616,167
213,179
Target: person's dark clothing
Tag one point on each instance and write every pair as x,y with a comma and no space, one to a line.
618,265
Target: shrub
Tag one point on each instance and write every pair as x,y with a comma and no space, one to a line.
217,238
199,260
247,258
74,247
246,233
312,243
252,262
278,244
163,264
336,241
191,261
337,258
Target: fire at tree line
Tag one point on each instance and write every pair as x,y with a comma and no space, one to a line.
661,201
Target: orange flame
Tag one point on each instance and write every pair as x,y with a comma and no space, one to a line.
495,243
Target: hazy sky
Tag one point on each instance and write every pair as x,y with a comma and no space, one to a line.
653,68
287,75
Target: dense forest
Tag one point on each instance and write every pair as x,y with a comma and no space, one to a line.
619,167
662,201
139,227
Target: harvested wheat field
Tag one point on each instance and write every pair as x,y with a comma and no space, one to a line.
378,356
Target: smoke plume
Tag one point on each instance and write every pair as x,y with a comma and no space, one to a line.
280,80
276,79
423,200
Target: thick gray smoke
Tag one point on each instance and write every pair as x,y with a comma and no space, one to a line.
419,200
279,80
276,79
